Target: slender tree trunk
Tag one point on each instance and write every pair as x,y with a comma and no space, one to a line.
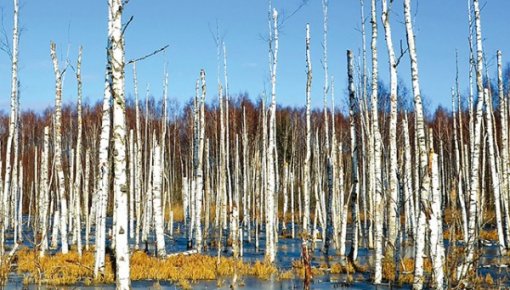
393,225
86,194
58,150
377,169
120,186
354,157
504,149
407,183
12,128
44,194
306,166
156,202
436,225
495,176
139,163
199,151
103,170
78,178
475,155
271,210
424,178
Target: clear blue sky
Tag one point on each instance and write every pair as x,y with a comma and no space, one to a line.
440,25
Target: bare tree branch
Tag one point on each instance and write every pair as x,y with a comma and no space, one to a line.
148,55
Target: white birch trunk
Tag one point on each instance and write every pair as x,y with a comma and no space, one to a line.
246,194
78,178
496,188
44,194
475,155
392,199
436,226
271,164
424,178
58,150
19,217
199,152
156,202
306,166
139,164
377,190
12,125
354,157
86,207
131,185
408,183
504,148
120,186
103,170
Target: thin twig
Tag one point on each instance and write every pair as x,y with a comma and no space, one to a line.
148,55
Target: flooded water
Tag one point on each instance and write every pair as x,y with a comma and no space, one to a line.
289,250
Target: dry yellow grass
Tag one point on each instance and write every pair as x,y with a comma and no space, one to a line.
60,269
194,267
286,275
388,270
447,234
491,235
349,268
70,269
5,269
299,269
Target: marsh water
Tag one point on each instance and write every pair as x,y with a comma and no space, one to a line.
289,250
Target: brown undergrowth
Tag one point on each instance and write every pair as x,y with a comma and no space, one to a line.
68,269
61,269
5,268
194,268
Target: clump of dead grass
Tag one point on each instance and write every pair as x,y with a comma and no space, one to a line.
61,269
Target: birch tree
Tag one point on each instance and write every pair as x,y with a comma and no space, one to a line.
44,194
120,186
271,164
308,146
475,154
354,156
198,165
392,153
424,178
12,125
376,167
156,201
436,224
58,149
103,170
78,177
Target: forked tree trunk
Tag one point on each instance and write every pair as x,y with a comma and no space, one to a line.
474,182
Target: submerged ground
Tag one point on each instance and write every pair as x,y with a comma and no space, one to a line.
203,272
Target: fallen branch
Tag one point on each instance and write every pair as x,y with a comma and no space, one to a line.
13,250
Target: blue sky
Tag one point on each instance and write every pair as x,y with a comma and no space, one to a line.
440,26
